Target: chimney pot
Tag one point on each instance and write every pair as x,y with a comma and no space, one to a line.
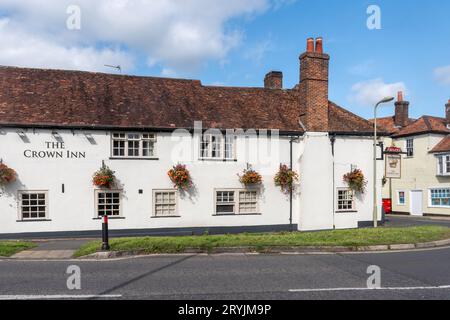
447,112
310,45
401,118
319,45
274,80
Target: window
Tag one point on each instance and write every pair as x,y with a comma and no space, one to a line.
227,203
108,203
410,147
33,205
401,198
345,200
443,164
440,197
218,147
133,145
164,203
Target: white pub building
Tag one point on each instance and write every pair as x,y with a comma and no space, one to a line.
57,128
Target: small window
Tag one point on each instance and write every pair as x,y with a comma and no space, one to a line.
401,198
225,202
231,202
410,147
133,145
345,200
108,203
443,164
248,202
440,197
33,205
164,203
217,147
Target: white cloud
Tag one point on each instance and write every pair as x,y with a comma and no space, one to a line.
175,34
442,75
22,49
371,91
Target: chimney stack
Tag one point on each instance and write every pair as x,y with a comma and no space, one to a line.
314,66
401,118
447,112
274,80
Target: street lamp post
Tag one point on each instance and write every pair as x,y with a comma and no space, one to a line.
375,196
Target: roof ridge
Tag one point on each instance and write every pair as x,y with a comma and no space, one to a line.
85,72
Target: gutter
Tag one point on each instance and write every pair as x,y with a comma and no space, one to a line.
138,129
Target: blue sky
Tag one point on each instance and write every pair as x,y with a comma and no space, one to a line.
234,43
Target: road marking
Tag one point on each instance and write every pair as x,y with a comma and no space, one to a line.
370,289
58,297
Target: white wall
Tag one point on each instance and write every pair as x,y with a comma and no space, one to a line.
74,210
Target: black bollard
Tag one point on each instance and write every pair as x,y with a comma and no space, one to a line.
105,236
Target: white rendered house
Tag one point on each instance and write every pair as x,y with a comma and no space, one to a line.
58,127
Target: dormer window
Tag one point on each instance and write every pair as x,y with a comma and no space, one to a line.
133,145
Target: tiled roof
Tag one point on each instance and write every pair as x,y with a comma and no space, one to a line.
425,124
35,97
443,146
388,124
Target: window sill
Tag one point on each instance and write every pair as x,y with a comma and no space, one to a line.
165,217
110,218
237,214
439,207
34,220
347,211
138,159
217,160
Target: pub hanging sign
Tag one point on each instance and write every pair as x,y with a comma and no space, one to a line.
393,163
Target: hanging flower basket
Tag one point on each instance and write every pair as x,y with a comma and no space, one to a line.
104,178
7,175
250,178
356,181
180,177
285,179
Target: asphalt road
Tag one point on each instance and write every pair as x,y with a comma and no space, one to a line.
413,275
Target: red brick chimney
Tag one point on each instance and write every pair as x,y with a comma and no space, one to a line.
274,80
447,112
314,65
401,118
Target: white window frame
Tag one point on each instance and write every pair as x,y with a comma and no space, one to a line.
223,143
236,203
409,146
398,198
444,160
32,192
430,199
151,137
353,209
96,202
155,192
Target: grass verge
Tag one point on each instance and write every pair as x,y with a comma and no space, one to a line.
9,248
259,242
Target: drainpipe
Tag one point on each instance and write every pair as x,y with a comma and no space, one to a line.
333,141
291,164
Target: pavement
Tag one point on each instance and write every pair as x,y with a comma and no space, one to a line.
404,275
52,249
410,221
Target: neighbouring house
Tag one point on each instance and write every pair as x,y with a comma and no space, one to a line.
59,127
423,184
